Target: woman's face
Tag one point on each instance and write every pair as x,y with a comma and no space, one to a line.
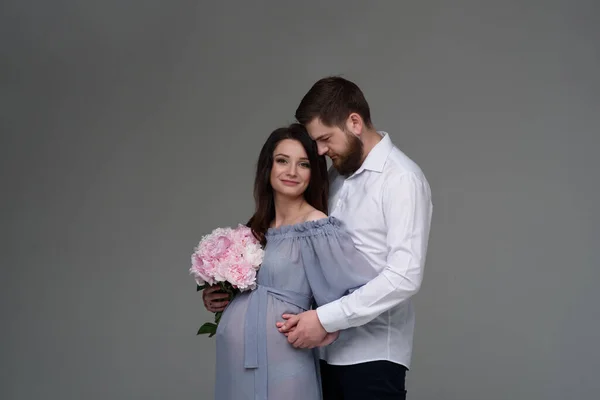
290,174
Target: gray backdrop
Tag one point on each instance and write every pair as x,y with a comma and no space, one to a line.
130,128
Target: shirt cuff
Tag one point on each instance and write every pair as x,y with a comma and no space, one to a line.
332,317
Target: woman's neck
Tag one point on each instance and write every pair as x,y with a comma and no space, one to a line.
289,211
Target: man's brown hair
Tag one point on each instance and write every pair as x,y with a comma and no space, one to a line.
332,100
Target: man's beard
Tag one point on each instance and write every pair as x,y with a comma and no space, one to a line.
350,162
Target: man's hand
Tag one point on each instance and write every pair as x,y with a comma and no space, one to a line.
329,338
214,299
304,331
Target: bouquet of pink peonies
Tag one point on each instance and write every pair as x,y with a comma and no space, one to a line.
229,258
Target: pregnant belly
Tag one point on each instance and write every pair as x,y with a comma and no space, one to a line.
231,325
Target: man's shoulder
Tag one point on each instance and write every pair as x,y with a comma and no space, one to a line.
399,164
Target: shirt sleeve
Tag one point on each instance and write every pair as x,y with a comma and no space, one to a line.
407,209
333,265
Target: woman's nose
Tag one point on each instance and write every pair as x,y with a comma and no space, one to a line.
291,169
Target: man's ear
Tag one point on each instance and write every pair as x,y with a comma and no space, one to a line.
354,124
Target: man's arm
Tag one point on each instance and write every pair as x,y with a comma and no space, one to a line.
407,211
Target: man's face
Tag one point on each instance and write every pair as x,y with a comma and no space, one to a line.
341,146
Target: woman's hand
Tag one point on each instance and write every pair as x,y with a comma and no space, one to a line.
214,299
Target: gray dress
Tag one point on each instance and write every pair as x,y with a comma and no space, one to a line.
310,263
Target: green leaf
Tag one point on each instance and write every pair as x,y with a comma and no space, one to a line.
218,315
227,288
209,328
199,288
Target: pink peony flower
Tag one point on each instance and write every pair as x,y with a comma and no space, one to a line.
214,247
242,276
227,255
200,270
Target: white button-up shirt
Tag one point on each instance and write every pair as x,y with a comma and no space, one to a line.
386,207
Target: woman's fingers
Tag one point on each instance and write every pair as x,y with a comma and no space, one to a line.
214,299
217,296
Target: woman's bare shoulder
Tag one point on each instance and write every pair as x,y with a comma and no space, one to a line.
315,215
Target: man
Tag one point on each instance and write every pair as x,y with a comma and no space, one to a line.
384,200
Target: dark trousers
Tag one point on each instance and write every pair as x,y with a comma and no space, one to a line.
374,380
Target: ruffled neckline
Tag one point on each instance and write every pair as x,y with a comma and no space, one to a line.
305,228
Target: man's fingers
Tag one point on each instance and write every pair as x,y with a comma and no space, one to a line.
299,344
292,321
279,324
289,332
292,337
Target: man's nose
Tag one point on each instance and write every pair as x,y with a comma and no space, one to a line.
321,149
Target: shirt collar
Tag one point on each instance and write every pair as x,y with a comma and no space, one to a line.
378,155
